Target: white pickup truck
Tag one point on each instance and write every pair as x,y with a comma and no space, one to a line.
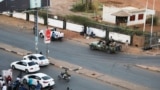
55,35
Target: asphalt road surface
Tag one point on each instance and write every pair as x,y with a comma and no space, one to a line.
118,65
77,82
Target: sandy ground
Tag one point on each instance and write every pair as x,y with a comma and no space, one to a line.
59,7
63,8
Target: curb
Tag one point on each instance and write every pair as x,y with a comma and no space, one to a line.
151,68
76,40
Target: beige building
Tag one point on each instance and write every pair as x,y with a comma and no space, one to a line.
125,16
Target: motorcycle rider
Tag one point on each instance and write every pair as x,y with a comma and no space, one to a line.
65,74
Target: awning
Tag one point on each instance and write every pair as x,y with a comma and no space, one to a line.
122,13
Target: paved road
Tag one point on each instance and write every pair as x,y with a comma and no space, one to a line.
77,82
120,66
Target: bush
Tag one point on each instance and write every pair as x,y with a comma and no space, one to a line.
78,8
78,19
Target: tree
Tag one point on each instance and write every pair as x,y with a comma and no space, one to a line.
95,6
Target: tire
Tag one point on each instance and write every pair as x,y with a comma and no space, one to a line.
26,71
67,79
92,47
13,67
41,35
53,39
60,39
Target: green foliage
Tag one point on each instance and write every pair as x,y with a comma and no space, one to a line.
95,6
127,31
155,20
78,8
86,6
43,14
78,19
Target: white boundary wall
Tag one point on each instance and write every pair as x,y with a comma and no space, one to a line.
120,37
55,23
40,20
31,17
20,15
74,27
99,32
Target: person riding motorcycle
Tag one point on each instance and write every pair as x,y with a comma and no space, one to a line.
65,74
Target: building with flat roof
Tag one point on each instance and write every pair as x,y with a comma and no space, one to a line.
126,16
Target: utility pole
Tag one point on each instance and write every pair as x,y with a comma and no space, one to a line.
36,29
47,51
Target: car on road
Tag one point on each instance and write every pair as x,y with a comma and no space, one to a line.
55,35
44,79
38,58
25,65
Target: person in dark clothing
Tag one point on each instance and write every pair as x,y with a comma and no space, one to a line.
21,87
41,53
38,86
93,35
67,88
34,30
16,85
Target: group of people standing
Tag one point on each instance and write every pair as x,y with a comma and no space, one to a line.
7,83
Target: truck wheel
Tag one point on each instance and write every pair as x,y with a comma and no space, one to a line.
13,67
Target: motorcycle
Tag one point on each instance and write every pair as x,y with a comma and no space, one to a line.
64,76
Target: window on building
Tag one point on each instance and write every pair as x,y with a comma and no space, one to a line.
132,18
140,16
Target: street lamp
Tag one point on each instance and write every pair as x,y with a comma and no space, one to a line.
152,25
145,17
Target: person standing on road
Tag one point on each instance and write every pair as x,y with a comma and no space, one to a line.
8,79
21,87
20,74
30,81
126,45
38,86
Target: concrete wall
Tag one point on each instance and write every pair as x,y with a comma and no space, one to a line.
72,27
